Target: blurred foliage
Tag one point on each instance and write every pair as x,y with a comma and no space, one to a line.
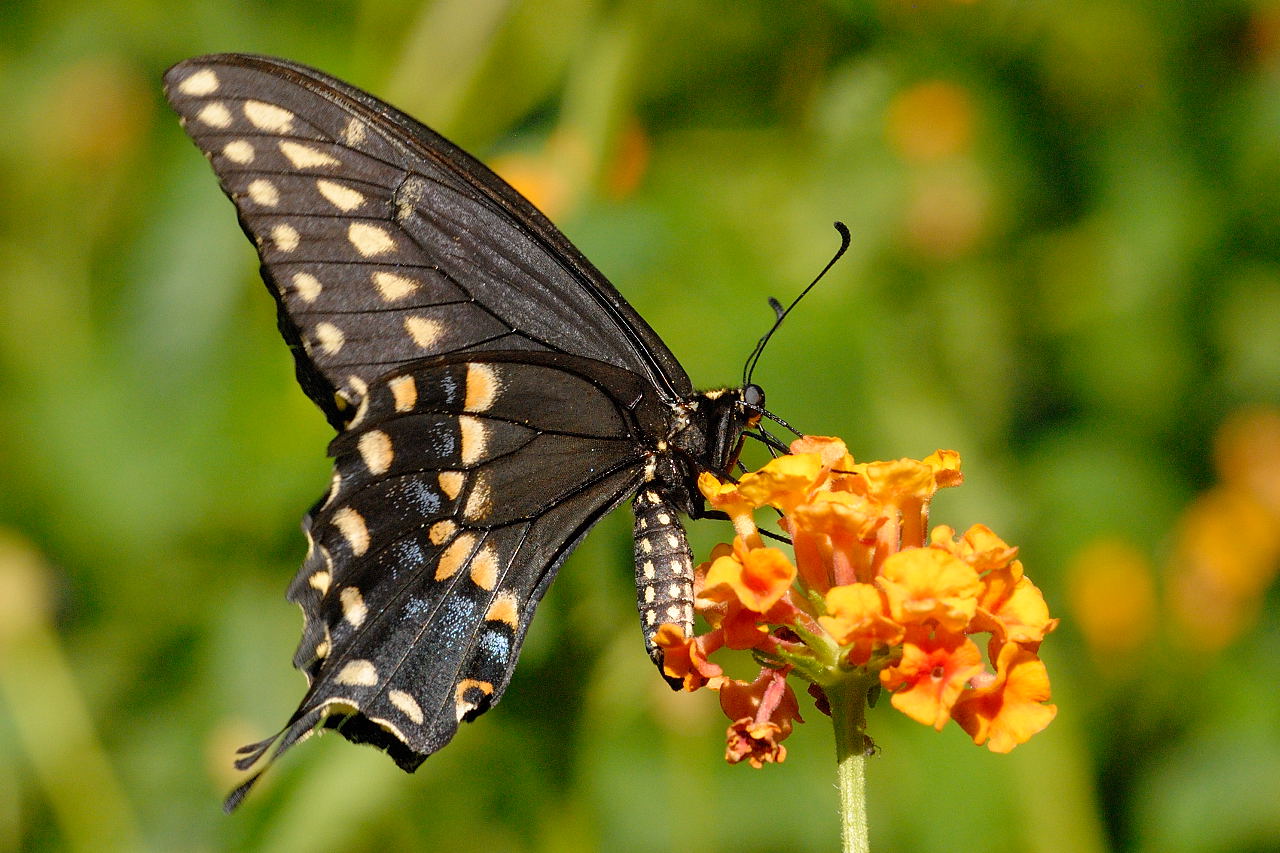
1066,265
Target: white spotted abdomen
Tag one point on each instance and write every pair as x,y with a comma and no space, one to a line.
664,568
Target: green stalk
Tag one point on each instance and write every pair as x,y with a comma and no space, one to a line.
848,716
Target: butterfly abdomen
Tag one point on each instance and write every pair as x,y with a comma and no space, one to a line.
664,567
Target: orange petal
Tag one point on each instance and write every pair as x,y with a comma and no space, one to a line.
931,675
924,584
1008,711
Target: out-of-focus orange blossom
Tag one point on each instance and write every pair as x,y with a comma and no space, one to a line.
1225,553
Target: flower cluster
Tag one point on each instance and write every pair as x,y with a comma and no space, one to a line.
872,600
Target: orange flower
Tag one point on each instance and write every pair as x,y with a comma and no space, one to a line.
850,525
755,577
946,468
980,547
1013,612
864,600
907,485
857,615
924,584
1008,710
758,743
684,659
783,482
931,675
832,451
763,712
1113,599
725,498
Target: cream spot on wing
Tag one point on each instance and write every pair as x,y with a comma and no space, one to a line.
203,82
215,114
320,581
405,393
424,331
673,591
676,566
358,672
484,569
406,705
648,595
375,449
285,237
238,151
268,117
339,195
335,484
451,483
329,338
304,156
370,240
461,705
361,410
441,531
674,611
307,286
353,606
392,286
452,558
353,134
475,439
504,609
672,541
650,571
480,501
663,518
352,527
264,192
323,647
650,618
482,387
646,545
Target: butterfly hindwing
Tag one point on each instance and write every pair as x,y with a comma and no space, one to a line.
383,243
458,489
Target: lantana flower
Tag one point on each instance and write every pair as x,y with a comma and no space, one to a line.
872,600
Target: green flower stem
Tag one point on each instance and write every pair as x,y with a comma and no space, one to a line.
848,701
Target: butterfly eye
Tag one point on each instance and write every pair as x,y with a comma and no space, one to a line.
753,397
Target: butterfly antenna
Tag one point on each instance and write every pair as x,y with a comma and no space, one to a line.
780,422
780,313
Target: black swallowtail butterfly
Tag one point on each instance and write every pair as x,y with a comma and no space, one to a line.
494,398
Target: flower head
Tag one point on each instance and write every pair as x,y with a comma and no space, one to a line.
872,596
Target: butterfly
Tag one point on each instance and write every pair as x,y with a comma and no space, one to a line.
494,397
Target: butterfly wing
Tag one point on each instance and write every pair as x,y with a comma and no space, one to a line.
459,488
384,243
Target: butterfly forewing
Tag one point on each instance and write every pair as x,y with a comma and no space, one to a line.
383,243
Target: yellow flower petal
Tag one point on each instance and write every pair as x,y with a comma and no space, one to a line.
925,584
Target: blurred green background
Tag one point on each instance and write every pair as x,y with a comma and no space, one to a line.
1065,265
